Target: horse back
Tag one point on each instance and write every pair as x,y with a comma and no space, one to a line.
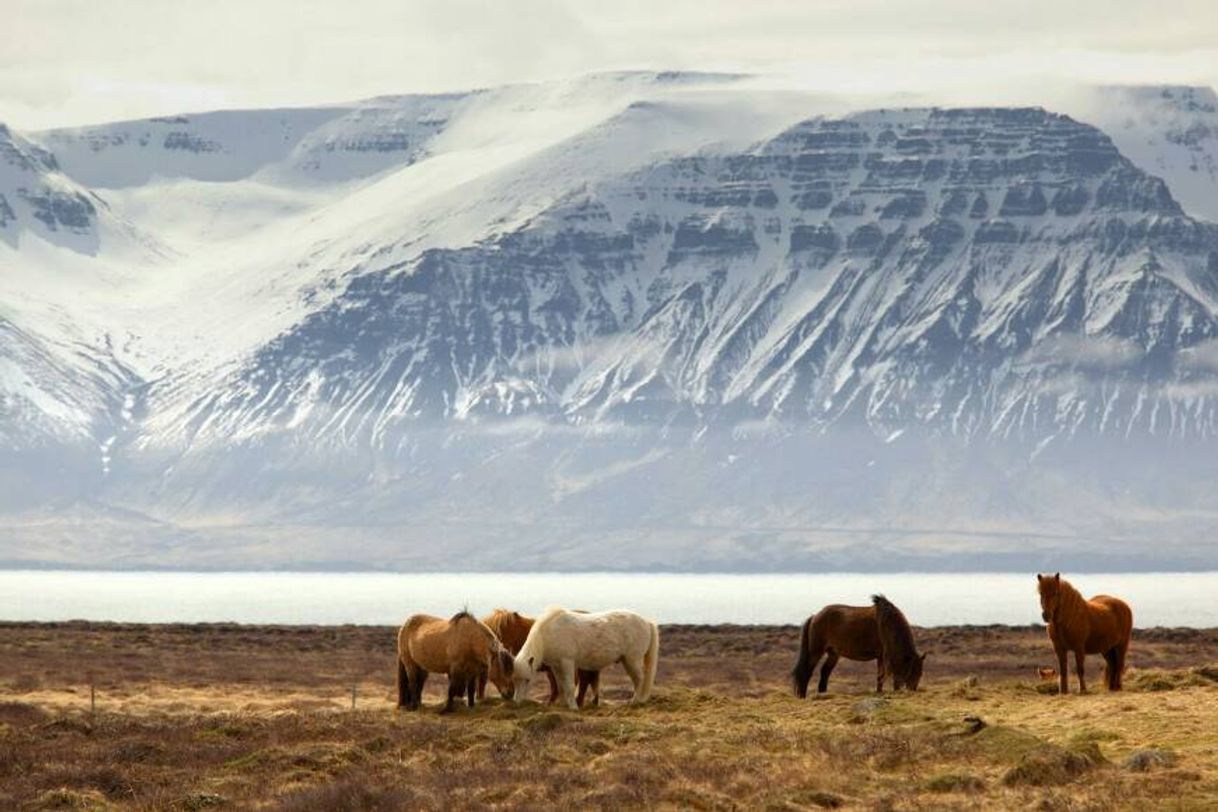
1111,623
442,645
592,639
851,631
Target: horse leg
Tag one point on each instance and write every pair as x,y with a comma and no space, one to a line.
456,687
1063,672
594,681
481,687
1110,668
1079,657
634,669
403,685
471,687
825,670
1122,650
816,650
418,678
879,674
583,679
564,672
553,686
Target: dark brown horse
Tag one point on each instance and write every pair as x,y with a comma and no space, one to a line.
1102,625
512,629
878,632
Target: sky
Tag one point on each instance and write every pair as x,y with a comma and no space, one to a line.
66,62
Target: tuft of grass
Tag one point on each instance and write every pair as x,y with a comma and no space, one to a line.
1143,760
955,782
1050,765
1156,680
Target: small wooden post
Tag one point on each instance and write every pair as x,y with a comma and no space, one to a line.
353,696
92,699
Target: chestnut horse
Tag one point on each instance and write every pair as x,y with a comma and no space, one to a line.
1102,625
878,632
462,647
512,629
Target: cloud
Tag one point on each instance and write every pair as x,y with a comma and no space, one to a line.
1085,352
292,52
1191,390
1203,356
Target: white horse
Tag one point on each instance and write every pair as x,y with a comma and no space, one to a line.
566,641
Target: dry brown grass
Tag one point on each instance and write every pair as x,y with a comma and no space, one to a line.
216,717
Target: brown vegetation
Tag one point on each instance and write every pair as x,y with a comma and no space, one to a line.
216,717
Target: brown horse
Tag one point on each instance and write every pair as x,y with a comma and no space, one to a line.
512,629
878,632
1102,625
462,647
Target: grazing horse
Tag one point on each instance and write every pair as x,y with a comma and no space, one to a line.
512,629
462,647
1102,625
878,632
566,641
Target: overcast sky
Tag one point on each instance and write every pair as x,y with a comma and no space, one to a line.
78,61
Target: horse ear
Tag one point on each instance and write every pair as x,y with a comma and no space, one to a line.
1057,576
1039,577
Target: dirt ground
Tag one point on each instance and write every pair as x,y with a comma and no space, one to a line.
228,716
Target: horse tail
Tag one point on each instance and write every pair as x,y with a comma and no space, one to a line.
803,664
403,686
651,661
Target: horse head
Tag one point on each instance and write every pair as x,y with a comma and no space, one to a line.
1050,591
501,671
523,668
913,671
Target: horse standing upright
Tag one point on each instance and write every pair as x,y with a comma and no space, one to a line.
878,632
1102,625
462,647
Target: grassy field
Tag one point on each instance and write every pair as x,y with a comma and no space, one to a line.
203,717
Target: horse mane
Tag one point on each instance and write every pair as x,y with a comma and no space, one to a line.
1067,594
895,634
1071,605
495,619
464,614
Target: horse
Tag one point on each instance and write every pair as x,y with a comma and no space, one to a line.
462,647
1102,625
878,632
566,641
512,628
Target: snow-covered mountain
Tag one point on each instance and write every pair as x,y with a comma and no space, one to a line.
661,320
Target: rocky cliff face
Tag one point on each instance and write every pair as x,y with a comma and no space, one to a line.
918,321
964,272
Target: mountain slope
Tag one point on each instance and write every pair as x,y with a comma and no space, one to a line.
508,326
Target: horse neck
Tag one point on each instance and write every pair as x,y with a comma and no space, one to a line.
895,627
530,648
497,621
1069,599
